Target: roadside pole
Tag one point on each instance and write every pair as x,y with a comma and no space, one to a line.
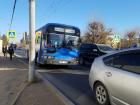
139,40
31,74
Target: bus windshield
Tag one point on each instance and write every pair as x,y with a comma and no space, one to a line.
58,40
55,40
71,41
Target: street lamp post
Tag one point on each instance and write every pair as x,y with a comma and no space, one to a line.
31,74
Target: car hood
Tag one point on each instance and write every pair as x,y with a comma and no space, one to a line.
108,52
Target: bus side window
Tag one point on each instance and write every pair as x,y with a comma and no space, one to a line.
44,36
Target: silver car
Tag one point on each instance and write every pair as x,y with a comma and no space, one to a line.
115,78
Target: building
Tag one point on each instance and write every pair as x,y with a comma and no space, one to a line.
0,45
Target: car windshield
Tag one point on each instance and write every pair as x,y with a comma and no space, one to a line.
105,48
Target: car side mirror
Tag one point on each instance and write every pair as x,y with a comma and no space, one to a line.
94,50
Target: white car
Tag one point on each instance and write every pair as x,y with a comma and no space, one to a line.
115,78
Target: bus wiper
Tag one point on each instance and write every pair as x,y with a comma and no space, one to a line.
51,49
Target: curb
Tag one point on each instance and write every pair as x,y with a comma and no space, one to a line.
63,98
18,94
19,56
20,91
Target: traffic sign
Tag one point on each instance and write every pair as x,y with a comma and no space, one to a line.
11,35
116,38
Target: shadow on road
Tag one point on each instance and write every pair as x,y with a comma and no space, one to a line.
68,67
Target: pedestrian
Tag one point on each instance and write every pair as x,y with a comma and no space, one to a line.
11,51
4,50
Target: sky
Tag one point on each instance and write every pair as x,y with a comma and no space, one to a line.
120,15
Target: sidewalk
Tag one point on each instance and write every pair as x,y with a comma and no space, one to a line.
13,77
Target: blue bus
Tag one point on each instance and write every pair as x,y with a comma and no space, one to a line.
57,44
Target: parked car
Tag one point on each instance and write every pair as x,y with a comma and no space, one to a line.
88,52
115,78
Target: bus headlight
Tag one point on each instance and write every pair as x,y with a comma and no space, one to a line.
74,59
50,57
45,57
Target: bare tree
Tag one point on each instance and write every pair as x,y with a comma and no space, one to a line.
23,42
124,43
5,40
97,33
131,36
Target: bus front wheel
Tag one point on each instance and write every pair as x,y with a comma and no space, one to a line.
36,61
36,56
81,60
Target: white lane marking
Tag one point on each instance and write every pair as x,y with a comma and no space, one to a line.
64,71
21,60
19,56
45,71
76,72
9,69
56,91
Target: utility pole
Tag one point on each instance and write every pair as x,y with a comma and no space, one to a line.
31,74
139,40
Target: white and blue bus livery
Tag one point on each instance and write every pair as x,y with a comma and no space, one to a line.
58,44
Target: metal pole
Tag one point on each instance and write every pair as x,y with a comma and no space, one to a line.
31,74
139,41
120,44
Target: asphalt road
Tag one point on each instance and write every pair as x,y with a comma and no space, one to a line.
20,53
72,81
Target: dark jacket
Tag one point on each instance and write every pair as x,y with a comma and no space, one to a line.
4,49
10,50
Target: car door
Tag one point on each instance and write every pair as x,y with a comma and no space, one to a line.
93,53
82,50
131,77
86,49
87,53
124,81
113,78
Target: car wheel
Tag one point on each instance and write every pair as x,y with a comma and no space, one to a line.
81,61
101,94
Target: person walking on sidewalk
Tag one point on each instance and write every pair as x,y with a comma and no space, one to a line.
11,51
4,50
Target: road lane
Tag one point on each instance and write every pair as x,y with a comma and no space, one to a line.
72,85
72,81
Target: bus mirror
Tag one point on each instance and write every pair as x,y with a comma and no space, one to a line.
79,40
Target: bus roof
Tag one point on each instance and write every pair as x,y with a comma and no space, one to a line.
58,25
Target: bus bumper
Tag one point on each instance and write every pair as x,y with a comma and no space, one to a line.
61,62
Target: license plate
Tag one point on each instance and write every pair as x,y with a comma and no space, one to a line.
63,62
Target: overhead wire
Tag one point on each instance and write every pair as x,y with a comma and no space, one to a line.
53,6
13,14
52,3
57,6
